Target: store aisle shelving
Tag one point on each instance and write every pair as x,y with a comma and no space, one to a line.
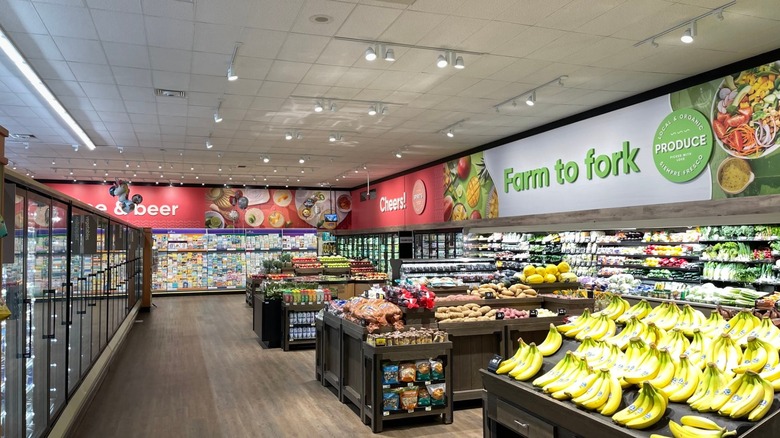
194,368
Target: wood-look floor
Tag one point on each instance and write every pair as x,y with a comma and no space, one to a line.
194,368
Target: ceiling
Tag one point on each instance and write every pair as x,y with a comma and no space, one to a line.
104,58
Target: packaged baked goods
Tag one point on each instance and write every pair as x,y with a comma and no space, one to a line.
437,392
408,397
390,373
423,370
423,397
437,369
407,372
391,401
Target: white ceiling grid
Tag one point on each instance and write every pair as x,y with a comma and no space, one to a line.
103,59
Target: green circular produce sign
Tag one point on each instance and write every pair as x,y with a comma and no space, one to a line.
682,145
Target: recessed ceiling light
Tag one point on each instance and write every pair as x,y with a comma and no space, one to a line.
320,19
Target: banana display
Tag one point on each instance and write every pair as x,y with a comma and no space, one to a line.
674,354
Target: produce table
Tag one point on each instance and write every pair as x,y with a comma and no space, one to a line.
573,306
444,291
521,408
351,378
318,323
496,303
267,321
331,352
372,410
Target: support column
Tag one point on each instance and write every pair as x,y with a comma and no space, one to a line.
146,297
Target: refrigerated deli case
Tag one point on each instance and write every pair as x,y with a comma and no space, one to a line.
69,276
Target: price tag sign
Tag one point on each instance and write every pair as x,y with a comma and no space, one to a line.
499,315
489,295
561,311
411,411
410,384
385,414
385,386
534,313
428,408
494,363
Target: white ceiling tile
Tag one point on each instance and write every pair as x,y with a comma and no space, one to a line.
169,33
139,107
203,99
126,55
528,42
452,31
113,117
531,12
411,26
487,38
20,16
337,11
250,68
261,43
170,80
170,8
486,9
151,128
563,47
49,69
312,90
81,50
213,64
92,72
132,76
243,86
173,60
168,120
265,14
284,71
36,46
324,74
276,89
360,77
133,6
368,22
207,84
67,21
105,91
343,53
114,105
266,104
454,85
171,109
302,48
115,127
216,38
120,27
578,12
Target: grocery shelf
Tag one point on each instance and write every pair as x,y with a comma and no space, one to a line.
605,265
642,243
689,256
739,240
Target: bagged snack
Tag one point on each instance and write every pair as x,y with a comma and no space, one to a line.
423,370
390,373
437,369
392,401
423,398
437,392
406,372
409,397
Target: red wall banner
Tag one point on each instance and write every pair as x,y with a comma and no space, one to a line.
196,207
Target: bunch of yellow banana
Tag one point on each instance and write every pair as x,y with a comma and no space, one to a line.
685,382
574,371
528,364
598,392
646,410
698,351
667,317
576,324
633,327
589,349
675,342
690,319
509,364
616,307
740,326
653,334
569,362
638,310
635,353
768,332
697,427
758,355
657,312
747,395
665,367
598,328
611,356
711,381
726,354
714,325
772,375
552,343
646,368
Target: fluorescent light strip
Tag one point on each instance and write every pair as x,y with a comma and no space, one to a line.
14,55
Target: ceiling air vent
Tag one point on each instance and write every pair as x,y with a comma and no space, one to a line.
22,137
168,93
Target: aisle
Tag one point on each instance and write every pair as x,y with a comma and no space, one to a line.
193,368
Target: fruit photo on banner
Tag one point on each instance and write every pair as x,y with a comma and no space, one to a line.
469,191
743,111
275,208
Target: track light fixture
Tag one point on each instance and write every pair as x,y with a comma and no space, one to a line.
389,55
209,145
231,72
266,159
288,135
459,63
217,116
449,131
300,160
450,134
689,26
370,54
653,43
333,107
531,99
334,136
399,154
372,110
318,107
689,33
441,61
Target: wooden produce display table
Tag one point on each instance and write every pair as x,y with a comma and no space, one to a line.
372,411
331,352
530,329
496,303
444,291
252,286
318,323
291,320
512,408
351,377
473,345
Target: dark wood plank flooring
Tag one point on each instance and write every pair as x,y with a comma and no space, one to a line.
193,368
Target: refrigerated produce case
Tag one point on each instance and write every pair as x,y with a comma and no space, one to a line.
69,276
379,249
438,244
200,259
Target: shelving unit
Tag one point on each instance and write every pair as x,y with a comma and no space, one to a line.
197,260
473,270
298,323
377,248
438,245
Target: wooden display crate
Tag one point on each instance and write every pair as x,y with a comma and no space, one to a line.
473,345
372,409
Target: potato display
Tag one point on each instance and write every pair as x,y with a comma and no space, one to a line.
500,290
465,313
